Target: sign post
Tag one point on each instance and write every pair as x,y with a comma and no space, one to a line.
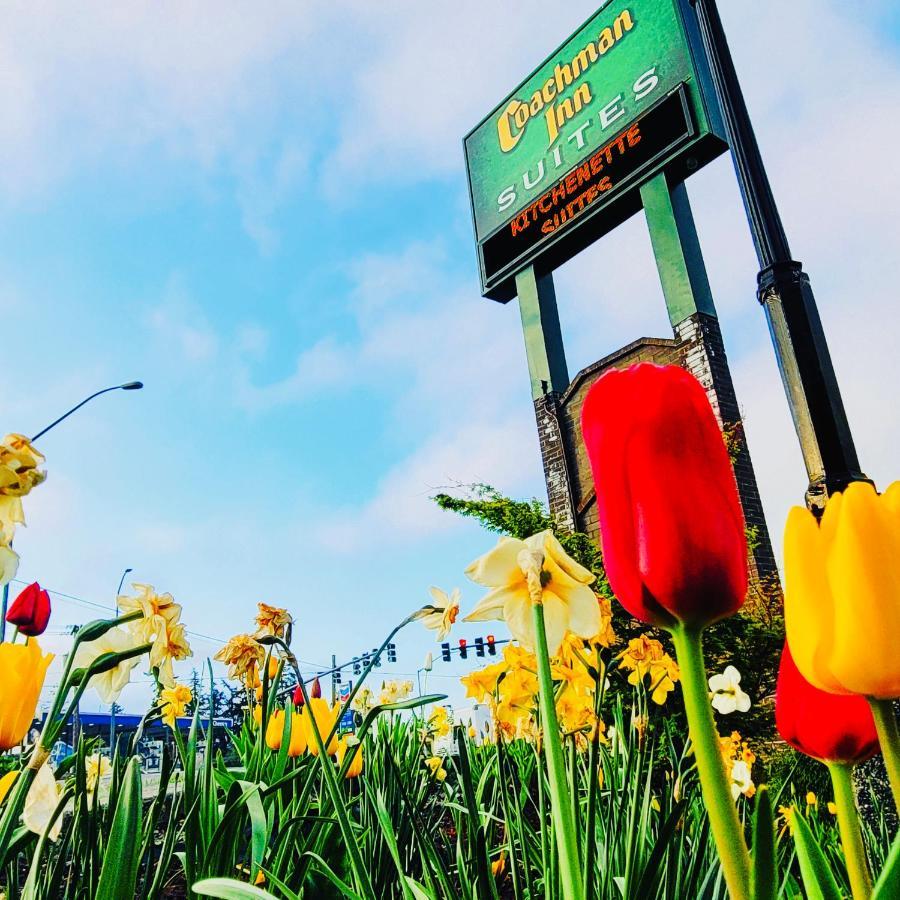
785,292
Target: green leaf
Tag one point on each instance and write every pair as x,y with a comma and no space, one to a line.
121,854
817,877
419,892
764,884
888,884
229,889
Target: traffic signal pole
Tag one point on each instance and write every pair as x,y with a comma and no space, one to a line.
785,292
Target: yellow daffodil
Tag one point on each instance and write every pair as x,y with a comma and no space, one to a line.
170,645
538,570
174,703
439,722
443,614
298,745
356,760
40,803
482,683
243,654
325,718
6,782
19,473
108,684
436,767
22,671
645,657
498,866
811,799
96,766
842,592
272,620
832,808
275,730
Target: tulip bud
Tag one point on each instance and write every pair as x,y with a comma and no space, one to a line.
298,696
671,524
316,690
30,611
828,727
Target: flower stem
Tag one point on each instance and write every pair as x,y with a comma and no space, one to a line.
851,836
889,738
723,817
560,804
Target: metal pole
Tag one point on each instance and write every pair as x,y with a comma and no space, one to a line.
333,681
784,290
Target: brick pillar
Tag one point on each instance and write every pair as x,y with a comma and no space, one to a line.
554,454
704,357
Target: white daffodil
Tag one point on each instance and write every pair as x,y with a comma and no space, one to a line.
108,684
444,612
40,803
537,570
9,561
741,780
727,696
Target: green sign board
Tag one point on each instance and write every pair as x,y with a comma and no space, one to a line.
559,162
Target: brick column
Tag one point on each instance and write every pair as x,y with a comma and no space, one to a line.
555,457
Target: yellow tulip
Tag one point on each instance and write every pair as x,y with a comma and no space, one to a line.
6,782
22,671
325,717
356,761
275,730
842,592
298,744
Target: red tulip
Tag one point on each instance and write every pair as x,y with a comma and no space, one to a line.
829,727
298,696
671,525
30,611
316,691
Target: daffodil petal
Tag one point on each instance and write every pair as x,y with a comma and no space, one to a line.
498,567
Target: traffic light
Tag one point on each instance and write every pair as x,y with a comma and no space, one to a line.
445,652
377,657
337,677
392,653
479,646
357,669
492,647
365,659
463,652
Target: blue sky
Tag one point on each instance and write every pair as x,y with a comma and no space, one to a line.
262,214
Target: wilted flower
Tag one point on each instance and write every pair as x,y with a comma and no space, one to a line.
19,473
243,655
108,684
498,866
444,613
174,702
22,671
96,766
41,802
522,574
727,694
272,620
9,560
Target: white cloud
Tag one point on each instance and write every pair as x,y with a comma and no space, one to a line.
178,319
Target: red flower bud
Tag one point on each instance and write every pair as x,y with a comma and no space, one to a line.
30,611
316,691
671,525
828,727
298,696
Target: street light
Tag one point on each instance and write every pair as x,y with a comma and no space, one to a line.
128,386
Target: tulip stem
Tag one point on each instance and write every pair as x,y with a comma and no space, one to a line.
889,738
560,804
714,783
851,836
